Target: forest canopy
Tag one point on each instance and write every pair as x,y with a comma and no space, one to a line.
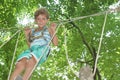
82,23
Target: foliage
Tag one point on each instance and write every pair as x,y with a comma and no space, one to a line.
56,67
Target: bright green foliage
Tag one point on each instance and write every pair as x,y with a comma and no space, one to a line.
56,67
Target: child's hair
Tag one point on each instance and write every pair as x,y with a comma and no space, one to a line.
41,11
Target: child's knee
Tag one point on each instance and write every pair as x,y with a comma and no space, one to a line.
19,66
31,63
21,63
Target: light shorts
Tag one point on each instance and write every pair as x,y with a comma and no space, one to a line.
37,52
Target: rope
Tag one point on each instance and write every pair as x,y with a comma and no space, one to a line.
95,66
83,17
66,52
74,19
13,56
101,38
9,39
9,28
77,18
43,52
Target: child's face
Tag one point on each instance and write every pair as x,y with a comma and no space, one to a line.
41,20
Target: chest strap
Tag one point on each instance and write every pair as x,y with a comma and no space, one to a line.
32,37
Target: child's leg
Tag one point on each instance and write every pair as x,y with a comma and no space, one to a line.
20,66
29,66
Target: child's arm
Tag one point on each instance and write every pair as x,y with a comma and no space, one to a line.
52,31
27,32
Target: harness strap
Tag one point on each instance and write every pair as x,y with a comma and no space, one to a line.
31,37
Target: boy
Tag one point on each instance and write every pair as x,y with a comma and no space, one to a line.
37,40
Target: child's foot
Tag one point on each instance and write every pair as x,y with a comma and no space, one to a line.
19,77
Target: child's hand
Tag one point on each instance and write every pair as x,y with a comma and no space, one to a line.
53,26
27,30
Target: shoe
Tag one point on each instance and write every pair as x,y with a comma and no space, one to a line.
19,77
